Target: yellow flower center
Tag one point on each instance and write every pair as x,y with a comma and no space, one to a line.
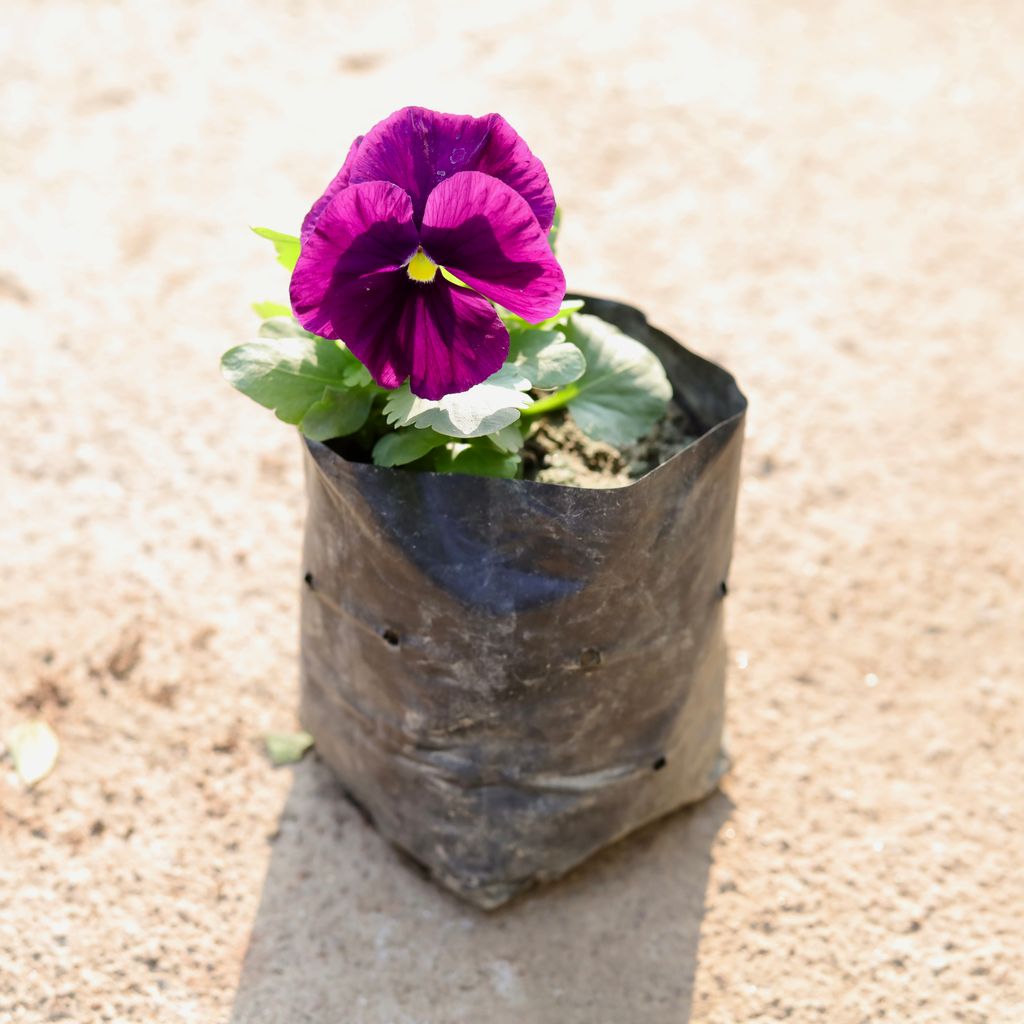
421,268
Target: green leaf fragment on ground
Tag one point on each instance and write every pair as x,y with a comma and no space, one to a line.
287,247
33,747
287,747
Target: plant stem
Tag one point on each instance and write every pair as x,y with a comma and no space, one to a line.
554,401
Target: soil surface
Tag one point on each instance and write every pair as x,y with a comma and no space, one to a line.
558,452
824,198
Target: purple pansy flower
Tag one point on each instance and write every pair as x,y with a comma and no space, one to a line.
420,191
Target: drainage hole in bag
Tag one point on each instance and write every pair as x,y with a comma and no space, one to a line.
390,637
659,764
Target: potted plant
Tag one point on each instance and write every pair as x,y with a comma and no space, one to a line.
520,515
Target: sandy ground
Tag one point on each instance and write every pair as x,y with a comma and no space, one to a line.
826,197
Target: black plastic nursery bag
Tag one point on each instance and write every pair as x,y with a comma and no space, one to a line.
510,675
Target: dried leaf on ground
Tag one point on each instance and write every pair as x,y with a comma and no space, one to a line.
33,747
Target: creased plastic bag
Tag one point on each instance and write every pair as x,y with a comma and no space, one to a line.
508,675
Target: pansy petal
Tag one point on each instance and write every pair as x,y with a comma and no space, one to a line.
415,147
508,158
453,338
340,181
418,148
364,312
485,233
364,229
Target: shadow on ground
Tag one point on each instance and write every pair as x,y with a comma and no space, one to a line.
348,931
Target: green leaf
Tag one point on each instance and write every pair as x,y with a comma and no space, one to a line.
286,246
287,747
548,359
281,328
33,747
481,410
449,276
624,390
355,375
358,376
338,413
266,310
568,309
288,375
508,439
476,460
555,226
514,324
404,446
